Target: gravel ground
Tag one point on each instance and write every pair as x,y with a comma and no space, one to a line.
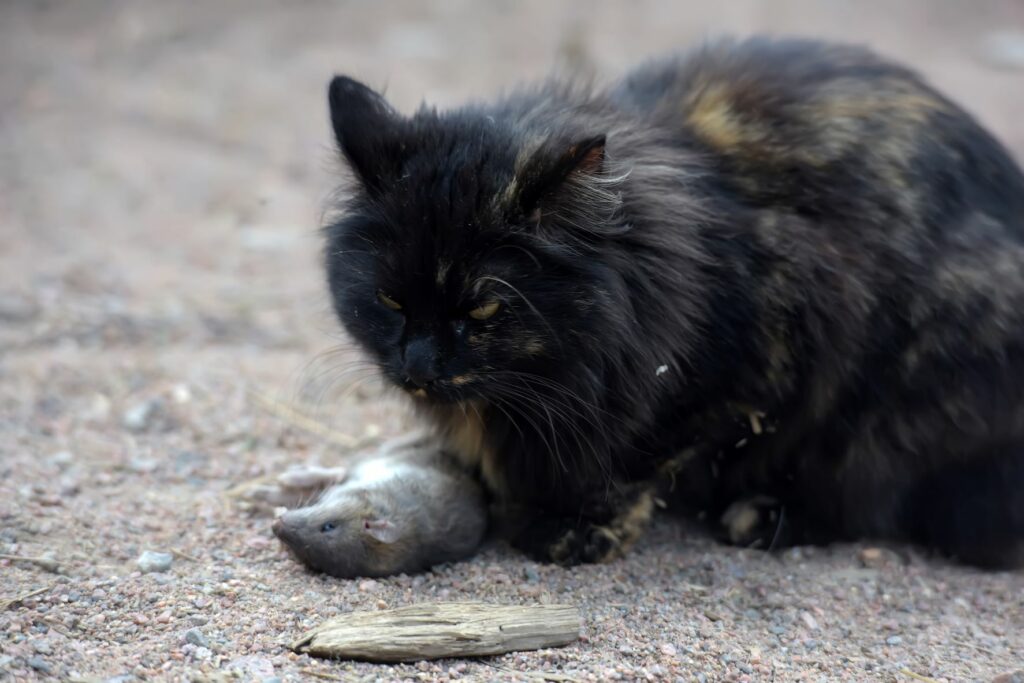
164,339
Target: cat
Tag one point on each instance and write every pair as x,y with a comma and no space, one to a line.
787,272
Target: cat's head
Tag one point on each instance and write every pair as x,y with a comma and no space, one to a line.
463,259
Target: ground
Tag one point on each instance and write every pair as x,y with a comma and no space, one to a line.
165,339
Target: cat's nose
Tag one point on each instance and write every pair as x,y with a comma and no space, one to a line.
421,365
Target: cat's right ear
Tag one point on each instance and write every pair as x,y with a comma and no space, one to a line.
368,130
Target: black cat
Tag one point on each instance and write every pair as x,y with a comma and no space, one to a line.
788,274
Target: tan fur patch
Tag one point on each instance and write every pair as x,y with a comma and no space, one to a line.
631,523
533,347
465,434
711,114
442,273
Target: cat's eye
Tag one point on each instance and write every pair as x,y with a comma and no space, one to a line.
486,311
388,301
327,527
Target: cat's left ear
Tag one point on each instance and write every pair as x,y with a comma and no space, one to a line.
552,166
368,130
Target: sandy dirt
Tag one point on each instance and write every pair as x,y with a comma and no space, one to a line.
165,338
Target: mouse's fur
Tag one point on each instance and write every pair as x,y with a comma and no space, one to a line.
395,513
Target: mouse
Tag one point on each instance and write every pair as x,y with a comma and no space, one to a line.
398,511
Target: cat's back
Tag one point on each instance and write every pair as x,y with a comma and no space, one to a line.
828,130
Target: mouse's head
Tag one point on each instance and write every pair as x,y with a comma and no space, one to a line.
345,538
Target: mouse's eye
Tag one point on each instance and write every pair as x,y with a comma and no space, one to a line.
328,526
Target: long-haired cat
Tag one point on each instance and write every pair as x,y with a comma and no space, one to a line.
789,273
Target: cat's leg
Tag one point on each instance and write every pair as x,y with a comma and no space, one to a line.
973,509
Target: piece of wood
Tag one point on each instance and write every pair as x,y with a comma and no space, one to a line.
435,630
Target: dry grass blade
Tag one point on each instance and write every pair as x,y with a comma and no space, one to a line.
435,630
320,675
10,602
298,419
46,563
917,676
184,556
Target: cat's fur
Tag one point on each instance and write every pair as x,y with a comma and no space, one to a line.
791,273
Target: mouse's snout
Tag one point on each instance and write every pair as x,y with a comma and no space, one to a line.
283,530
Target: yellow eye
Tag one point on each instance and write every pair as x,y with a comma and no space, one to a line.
388,301
486,311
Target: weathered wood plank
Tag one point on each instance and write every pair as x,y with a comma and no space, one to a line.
435,630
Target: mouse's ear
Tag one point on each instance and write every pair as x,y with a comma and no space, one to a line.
381,529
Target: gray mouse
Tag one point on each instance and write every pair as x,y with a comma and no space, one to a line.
396,512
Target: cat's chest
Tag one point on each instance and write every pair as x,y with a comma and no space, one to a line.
464,431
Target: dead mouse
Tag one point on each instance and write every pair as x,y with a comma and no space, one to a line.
397,512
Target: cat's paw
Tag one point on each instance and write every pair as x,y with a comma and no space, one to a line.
587,545
752,522
569,542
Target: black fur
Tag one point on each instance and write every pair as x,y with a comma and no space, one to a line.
792,270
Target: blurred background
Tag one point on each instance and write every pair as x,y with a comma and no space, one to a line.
164,167
167,163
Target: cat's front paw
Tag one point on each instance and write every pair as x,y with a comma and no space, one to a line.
569,542
588,545
753,522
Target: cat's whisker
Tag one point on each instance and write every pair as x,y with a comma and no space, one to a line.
526,300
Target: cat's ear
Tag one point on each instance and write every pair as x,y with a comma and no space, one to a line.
553,165
367,128
384,530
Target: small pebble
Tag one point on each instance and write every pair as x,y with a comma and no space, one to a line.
1004,50
39,664
62,459
809,620
894,640
150,561
139,417
195,637
1014,677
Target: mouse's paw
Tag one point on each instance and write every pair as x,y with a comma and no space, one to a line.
311,478
295,487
